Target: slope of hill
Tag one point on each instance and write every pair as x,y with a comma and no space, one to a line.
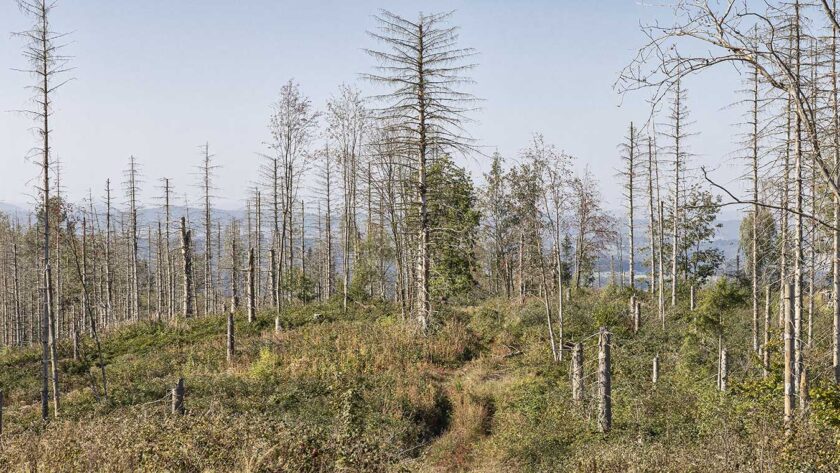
363,391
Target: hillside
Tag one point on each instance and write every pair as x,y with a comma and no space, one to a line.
365,392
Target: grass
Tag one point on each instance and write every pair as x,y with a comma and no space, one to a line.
363,391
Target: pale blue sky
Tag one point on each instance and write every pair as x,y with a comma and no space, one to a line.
158,78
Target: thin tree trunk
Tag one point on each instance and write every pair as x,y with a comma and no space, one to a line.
186,254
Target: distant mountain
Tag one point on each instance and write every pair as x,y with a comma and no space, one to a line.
726,239
14,210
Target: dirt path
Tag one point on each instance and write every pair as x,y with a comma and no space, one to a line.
472,389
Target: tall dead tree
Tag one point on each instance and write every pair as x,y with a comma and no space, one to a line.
630,152
258,247
43,52
798,257
234,265
424,68
186,255
789,357
652,245
170,265
292,126
328,240
252,294
207,167
835,233
347,119
677,134
132,187
754,161
109,265
604,382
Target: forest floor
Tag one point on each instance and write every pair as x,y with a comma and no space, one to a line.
362,391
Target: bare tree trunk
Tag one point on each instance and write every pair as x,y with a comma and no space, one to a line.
798,229
229,340
132,215
328,266
655,374
178,397
835,307
661,254
109,277
789,356
765,355
604,382
272,260
186,253
252,301
160,272
676,214
258,261
651,222
207,169
577,372
234,266
53,348
754,238
302,277
631,174
170,266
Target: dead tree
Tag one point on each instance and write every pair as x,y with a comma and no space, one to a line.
604,382
424,68
252,295
347,119
178,397
789,356
207,167
170,265
43,52
651,219
577,372
835,233
234,265
292,125
765,351
655,374
229,342
132,186
630,150
272,261
186,255
109,281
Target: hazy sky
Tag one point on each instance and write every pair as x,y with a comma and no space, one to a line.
156,79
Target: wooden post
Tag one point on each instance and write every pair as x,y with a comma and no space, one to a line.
1,413
604,382
724,369
788,339
637,316
230,343
655,377
252,295
691,298
577,372
178,397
